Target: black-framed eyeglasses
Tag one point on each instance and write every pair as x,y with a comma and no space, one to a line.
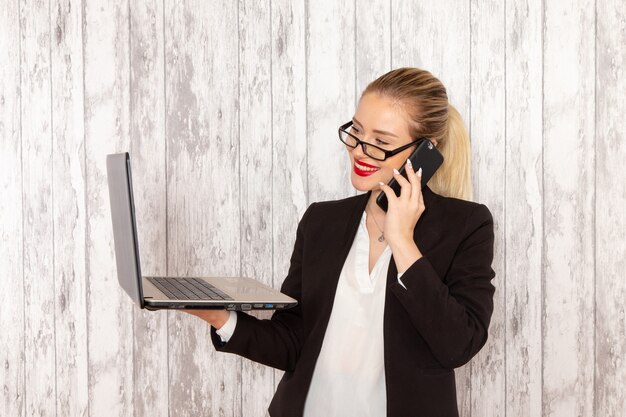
370,150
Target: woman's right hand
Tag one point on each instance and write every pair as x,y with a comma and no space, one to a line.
216,318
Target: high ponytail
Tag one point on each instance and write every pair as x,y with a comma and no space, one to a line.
423,97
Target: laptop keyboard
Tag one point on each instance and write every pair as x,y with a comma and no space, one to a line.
188,289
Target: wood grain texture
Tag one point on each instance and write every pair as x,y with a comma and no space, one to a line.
330,96
230,111
420,38
610,210
255,144
372,43
11,216
147,130
523,200
37,193
107,121
568,208
68,155
487,135
289,141
203,192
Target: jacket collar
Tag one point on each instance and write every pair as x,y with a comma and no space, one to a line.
425,233
345,228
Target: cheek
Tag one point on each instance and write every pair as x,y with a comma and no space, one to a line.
385,175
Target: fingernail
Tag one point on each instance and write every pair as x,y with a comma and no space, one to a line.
381,183
419,172
395,171
409,164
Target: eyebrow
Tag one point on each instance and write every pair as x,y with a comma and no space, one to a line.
382,132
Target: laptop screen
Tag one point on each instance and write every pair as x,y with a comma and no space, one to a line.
124,225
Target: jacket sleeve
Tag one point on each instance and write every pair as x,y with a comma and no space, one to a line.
275,342
453,314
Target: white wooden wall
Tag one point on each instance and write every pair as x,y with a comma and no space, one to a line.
230,111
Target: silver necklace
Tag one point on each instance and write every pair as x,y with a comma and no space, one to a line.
381,238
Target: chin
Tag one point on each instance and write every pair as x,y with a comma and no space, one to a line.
364,185
360,188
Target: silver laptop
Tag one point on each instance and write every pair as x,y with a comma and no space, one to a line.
230,293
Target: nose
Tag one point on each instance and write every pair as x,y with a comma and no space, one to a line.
358,152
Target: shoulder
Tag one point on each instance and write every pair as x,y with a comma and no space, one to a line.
449,216
334,214
469,209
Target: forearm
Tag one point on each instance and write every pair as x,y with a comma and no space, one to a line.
405,253
451,306
273,342
453,325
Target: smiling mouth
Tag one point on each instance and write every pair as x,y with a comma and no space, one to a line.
364,170
365,167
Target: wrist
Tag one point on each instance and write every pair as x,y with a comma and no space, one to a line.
219,320
405,253
404,241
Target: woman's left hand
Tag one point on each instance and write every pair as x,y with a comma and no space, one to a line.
403,212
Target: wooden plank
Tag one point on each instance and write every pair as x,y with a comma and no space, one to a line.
610,210
289,169
11,217
110,310
255,142
420,38
147,130
69,208
568,203
487,135
523,200
203,194
37,193
372,42
330,96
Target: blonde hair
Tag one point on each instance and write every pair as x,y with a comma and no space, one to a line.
423,97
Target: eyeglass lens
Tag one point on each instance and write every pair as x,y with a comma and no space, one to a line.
371,151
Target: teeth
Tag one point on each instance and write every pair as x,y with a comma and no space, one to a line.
364,168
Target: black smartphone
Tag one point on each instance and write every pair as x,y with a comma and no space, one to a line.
425,156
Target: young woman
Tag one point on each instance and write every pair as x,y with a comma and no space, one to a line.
389,303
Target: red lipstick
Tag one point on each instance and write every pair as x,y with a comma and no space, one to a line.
365,164
364,172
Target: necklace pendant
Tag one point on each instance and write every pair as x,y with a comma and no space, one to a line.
381,238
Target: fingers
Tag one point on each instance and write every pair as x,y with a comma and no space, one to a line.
405,185
215,318
410,189
391,195
416,181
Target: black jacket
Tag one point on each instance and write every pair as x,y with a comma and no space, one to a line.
435,325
